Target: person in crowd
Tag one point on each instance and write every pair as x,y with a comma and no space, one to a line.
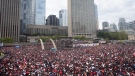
102,60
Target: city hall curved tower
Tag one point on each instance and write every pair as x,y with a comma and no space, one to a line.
82,18
10,19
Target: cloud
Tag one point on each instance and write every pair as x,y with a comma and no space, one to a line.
54,6
112,10
108,10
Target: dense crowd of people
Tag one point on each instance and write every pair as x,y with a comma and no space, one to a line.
102,60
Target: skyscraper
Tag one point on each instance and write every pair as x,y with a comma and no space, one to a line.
113,27
131,25
63,19
105,24
28,8
81,18
9,19
40,12
96,16
52,20
122,24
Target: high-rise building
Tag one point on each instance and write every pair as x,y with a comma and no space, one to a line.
131,25
81,18
113,27
122,20
40,12
122,24
105,25
52,20
28,8
96,16
10,19
63,19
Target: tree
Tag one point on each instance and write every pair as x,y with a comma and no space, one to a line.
57,37
82,38
7,40
1,40
100,35
44,39
113,35
76,37
79,37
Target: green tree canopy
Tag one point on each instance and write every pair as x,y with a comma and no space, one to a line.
79,37
113,35
6,40
1,40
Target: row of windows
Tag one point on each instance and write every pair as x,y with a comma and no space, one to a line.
81,34
10,19
47,31
83,13
28,12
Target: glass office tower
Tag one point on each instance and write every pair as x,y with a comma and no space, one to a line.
40,12
63,19
28,8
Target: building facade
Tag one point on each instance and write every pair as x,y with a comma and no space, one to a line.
96,16
113,27
105,25
63,18
42,30
27,16
131,25
52,20
10,19
40,12
81,18
131,34
122,24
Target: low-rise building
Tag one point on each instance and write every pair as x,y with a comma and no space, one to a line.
33,38
46,30
131,36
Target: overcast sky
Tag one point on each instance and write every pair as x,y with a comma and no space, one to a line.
108,10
